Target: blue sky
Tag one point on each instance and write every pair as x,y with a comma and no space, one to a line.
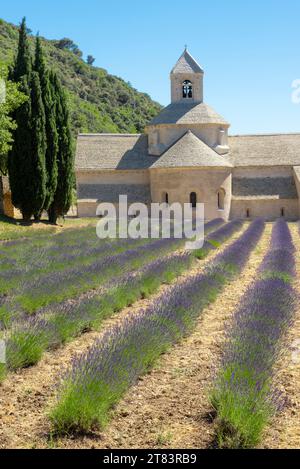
250,51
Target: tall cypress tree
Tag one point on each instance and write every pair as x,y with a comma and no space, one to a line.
48,96
65,181
19,167
38,148
20,155
23,63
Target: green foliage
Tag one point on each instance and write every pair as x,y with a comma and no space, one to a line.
90,59
68,44
24,349
239,424
20,158
37,189
13,99
50,124
23,65
63,196
27,171
99,102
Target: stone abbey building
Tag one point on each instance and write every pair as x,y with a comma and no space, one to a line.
186,155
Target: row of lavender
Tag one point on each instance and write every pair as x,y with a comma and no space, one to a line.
28,337
243,394
56,286
57,254
62,322
99,378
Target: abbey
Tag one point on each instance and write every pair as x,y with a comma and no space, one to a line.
187,156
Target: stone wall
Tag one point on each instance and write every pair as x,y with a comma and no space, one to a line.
112,177
177,80
179,183
270,209
167,135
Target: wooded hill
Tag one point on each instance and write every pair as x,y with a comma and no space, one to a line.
99,102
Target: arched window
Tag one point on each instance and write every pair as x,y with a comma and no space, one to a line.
187,89
282,212
165,197
248,213
193,199
221,199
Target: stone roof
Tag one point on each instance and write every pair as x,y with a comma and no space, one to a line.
188,113
186,64
188,151
112,151
130,152
264,187
265,150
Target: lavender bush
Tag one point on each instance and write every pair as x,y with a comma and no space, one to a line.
214,240
99,378
243,394
30,337
58,285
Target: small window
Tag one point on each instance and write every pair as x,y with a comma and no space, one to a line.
248,213
187,89
221,199
282,212
165,197
193,199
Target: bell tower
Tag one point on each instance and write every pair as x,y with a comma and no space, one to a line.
187,80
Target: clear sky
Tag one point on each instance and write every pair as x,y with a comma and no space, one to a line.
250,50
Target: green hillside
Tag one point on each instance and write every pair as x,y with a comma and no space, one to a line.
99,102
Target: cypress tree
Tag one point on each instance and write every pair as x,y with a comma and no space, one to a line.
19,167
65,181
37,189
48,96
23,63
20,155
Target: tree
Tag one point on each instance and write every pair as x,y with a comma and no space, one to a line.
12,98
38,147
90,59
68,44
23,63
26,163
65,182
48,96
19,161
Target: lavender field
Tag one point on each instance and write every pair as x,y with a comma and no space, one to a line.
140,343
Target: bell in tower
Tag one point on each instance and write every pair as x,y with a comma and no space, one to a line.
187,80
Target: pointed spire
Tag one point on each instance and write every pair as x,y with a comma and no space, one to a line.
187,64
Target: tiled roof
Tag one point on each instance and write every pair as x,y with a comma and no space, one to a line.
265,150
112,151
188,151
186,64
130,152
188,113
